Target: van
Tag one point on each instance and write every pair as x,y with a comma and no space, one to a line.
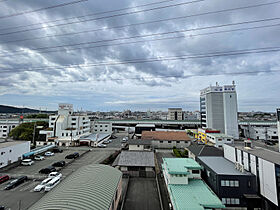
27,162
4,178
52,183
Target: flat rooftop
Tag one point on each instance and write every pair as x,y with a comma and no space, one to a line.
266,154
146,125
4,144
220,165
135,158
180,165
165,135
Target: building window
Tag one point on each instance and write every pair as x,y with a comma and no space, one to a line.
2,153
51,123
10,150
105,130
228,139
195,171
138,145
160,141
62,134
73,124
95,130
227,183
169,142
231,183
236,183
106,126
178,142
66,134
95,126
101,126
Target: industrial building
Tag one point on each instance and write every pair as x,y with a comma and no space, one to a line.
259,132
66,128
167,139
264,164
136,163
12,151
175,114
91,187
218,107
184,185
235,187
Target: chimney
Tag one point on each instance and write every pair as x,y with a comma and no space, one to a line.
278,126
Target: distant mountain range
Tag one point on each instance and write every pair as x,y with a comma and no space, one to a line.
11,109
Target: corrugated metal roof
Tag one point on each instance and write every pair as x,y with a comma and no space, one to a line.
165,135
135,158
196,195
91,187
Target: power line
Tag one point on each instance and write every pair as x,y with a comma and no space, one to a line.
17,52
158,59
142,23
93,14
41,9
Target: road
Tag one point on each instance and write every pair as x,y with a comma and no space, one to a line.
142,194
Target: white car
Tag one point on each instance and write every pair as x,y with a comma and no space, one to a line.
55,174
49,154
27,162
102,145
42,185
39,158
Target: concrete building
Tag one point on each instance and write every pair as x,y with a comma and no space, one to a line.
167,139
218,107
101,127
202,133
12,151
219,139
136,163
236,188
139,128
264,164
91,187
6,127
66,128
185,188
175,114
260,132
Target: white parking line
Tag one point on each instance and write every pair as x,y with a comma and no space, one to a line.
30,186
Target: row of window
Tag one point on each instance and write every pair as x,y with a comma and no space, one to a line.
176,142
231,201
101,130
229,183
101,126
70,134
4,131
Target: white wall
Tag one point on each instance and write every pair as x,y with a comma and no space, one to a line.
229,153
136,147
13,153
267,180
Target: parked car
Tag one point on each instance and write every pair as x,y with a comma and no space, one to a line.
27,162
59,164
2,207
16,182
124,140
4,178
42,185
106,142
55,174
49,154
47,170
269,143
56,149
55,181
102,145
39,157
72,156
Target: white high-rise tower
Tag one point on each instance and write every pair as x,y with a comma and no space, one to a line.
218,107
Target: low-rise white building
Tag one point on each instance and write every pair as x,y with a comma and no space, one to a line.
219,139
101,127
12,151
6,126
65,128
263,133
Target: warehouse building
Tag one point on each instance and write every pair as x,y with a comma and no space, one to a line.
12,151
91,187
136,163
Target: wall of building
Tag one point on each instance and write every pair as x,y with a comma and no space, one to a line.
170,144
5,129
219,141
263,133
97,127
13,153
135,147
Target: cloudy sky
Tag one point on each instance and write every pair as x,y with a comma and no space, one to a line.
115,55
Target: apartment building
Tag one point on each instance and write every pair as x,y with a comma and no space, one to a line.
66,128
218,108
175,114
6,126
264,164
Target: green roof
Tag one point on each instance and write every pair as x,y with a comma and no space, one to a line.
180,165
196,195
90,187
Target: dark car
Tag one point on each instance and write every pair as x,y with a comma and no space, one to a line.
56,150
4,178
47,170
16,182
2,207
59,164
72,156
270,143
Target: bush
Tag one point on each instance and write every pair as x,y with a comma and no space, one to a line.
177,152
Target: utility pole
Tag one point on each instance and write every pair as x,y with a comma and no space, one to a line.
34,130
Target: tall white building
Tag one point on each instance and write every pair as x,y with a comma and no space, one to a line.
218,107
66,127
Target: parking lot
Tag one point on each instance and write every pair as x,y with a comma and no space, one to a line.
117,142
23,196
